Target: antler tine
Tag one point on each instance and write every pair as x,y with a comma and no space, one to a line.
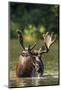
52,34
45,35
54,39
33,46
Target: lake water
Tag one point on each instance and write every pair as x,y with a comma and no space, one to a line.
46,79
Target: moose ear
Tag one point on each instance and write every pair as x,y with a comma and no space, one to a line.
20,37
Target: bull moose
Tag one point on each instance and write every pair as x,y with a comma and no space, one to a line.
30,63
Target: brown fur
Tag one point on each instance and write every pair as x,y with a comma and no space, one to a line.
24,67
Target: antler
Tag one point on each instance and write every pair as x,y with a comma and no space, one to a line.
48,41
33,46
20,37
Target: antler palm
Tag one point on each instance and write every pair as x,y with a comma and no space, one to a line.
48,39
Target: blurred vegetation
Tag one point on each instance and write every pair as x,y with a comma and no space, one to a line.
33,19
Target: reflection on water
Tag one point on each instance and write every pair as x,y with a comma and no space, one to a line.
45,80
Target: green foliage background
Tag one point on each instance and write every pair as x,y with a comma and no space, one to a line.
33,19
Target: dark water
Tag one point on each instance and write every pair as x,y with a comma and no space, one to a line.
41,81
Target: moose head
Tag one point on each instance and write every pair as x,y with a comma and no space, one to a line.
30,63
